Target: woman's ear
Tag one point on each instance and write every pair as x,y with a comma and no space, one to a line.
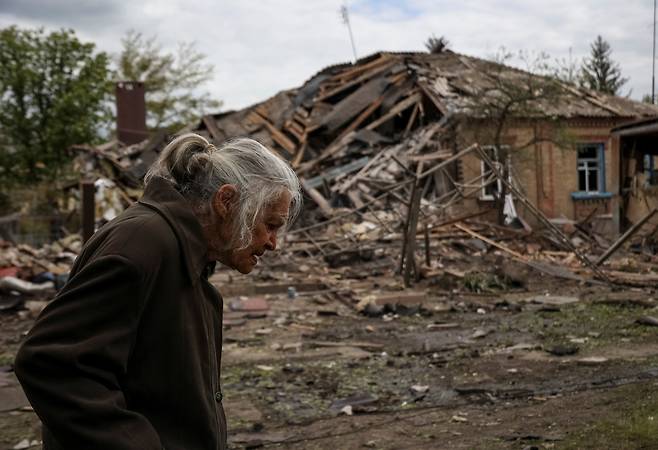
224,201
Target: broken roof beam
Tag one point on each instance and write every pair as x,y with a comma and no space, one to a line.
211,125
319,200
624,237
397,109
361,68
337,171
332,149
277,135
433,98
353,104
344,86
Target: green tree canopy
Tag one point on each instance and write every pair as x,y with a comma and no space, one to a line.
599,72
52,93
172,80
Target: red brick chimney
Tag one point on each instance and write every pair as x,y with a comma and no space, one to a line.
131,112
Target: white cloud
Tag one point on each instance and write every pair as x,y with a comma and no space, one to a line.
259,48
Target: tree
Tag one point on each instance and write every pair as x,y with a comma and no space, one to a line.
435,44
599,72
52,92
171,80
508,97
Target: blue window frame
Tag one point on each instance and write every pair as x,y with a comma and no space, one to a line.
591,168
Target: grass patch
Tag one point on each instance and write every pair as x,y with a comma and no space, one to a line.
633,428
609,323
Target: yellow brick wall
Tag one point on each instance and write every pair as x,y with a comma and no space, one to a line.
546,173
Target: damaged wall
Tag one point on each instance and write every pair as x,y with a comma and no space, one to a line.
547,170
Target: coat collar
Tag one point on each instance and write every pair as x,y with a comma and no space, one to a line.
161,195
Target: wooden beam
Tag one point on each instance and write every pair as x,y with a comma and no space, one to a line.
345,86
490,242
297,160
277,135
397,109
211,125
624,237
322,202
363,116
412,119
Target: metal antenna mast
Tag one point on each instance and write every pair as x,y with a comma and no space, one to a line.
345,15
653,61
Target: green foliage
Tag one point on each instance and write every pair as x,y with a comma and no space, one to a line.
172,80
52,92
599,72
483,282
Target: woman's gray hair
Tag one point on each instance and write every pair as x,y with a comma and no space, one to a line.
199,169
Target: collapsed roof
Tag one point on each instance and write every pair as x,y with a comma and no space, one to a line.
385,96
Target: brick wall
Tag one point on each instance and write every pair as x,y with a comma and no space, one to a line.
547,173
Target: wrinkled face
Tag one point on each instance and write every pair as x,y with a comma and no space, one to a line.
263,237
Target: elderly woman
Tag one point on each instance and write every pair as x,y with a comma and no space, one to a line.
127,356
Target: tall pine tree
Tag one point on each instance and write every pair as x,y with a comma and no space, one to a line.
599,72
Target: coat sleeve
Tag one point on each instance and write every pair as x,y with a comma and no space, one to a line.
74,358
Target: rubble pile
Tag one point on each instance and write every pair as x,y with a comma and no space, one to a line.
56,257
29,277
376,147
117,171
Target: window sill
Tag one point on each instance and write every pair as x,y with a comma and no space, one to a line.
590,195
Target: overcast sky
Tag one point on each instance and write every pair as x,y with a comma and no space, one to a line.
260,47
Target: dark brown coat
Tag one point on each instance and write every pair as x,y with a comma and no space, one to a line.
127,356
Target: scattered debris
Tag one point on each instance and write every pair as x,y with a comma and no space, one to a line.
648,320
563,350
419,389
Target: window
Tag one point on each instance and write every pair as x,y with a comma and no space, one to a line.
591,168
650,170
492,190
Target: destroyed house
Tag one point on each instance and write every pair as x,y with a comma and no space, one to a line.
352,129
638,144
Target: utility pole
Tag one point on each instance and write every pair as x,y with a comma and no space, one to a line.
653,61
345,15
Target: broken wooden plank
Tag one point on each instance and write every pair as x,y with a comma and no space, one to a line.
624,237
354,103
412,224
435,101
363,345
362,117
315,195
344,86
361,68
490,242
211,125
277,135
412,119
299,156
397,109
442,154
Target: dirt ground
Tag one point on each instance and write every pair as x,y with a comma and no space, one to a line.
551,365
